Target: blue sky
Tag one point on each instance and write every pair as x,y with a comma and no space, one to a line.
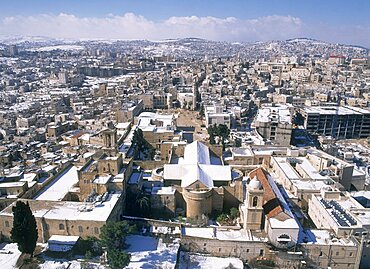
234,20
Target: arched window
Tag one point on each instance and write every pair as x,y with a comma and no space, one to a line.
255,201
284,239
61,226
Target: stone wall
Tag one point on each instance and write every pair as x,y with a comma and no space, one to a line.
244,250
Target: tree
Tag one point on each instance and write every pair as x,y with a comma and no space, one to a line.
24,231
220,130
113,234
139,140
143,203
222,218
90,246
211,131
223,131
201,111
118,259
234,213
238,142
212,140
185,105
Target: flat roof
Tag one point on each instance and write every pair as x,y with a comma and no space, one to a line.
12,184
64,210
63,239
279,114
242,152
339,110
102,179
163,190
225,235
60,186
324,237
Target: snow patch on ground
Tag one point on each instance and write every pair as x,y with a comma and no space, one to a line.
192,261
55,264
9,255
149,252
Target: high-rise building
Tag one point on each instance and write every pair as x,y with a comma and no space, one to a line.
13,50
338,122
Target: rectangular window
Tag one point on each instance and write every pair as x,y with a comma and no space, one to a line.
96,230
80,229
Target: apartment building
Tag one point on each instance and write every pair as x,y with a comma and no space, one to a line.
338,122
274,123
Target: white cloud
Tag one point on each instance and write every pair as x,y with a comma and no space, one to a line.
132,26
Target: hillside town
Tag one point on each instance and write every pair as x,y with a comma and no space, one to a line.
236,155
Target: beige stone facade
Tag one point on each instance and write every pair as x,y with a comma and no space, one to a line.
66,218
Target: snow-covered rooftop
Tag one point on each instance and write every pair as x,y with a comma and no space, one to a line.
220,234
279,114
197,165
60,186
64,210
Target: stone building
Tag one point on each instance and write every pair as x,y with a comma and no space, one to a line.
158,127
274,123
55,130
202,182
66,218
102,174
266,209
163,201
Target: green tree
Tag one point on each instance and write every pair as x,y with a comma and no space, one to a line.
211,131
143,203
24,231
212,140
185,105
238,142
113,234
234,213
89,246
118,259
222,218
223,131
139,140
201,111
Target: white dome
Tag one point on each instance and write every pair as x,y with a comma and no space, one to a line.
255,184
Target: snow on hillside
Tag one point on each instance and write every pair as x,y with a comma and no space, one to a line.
57,47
